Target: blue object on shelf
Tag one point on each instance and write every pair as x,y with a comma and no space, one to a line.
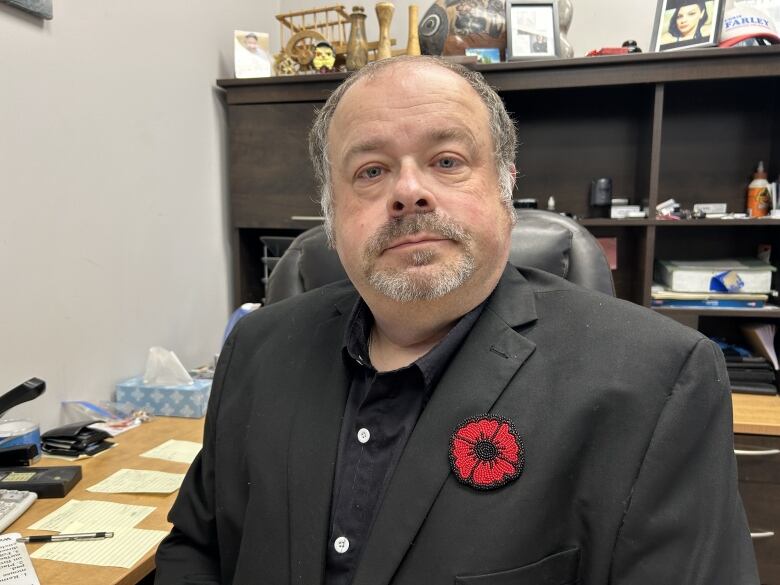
243,310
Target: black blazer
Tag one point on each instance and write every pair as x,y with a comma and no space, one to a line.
630,476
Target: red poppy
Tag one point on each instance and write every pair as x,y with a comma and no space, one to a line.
486,452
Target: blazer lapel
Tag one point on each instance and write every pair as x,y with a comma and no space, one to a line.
489,358
314,446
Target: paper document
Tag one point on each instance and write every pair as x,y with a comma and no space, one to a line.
125,549
139,481
15,565
761,337
173,450
92,516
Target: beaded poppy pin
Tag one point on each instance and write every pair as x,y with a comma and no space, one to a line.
486,452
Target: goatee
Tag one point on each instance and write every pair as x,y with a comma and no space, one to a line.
406,284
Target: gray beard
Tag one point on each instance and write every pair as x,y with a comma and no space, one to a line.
405,286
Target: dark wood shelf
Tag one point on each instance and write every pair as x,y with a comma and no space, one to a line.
606,222
676,124
682,223
753,223
768,312
604,71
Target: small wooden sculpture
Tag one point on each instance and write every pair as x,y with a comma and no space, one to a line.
413,46
302,30
301,45
384,13
329,21
357,47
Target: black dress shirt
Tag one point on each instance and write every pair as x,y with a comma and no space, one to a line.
381,412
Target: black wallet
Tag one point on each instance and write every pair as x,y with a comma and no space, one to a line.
75,439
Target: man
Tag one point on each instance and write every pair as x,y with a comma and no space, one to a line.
251,44
444,417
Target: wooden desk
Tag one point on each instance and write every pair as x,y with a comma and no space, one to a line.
125,455
756,415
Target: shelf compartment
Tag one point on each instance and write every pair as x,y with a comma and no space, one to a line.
714,133
565,143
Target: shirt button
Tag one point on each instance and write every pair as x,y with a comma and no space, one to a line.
363,435
341,544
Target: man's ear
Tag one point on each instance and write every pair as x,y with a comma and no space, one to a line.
513,172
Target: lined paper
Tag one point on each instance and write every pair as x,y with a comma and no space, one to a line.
175,450
125,549
92,516
138,481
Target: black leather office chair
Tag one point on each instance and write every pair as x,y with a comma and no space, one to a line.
541,239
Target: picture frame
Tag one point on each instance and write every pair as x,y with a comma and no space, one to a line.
251,54
532,30
687,24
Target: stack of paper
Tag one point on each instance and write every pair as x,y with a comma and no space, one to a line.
761,337
759,375
663,297
741,275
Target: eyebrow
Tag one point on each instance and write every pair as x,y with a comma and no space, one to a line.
455,134
435,136
369,145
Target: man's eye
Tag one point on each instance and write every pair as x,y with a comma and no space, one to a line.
371,173
448,162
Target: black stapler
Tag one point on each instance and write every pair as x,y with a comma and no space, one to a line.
20,454
24,392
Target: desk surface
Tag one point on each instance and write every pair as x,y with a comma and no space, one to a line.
756,415
125,455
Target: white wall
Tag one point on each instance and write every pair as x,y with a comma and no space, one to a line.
596,23
113,225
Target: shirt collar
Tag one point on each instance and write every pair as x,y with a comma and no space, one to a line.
431,365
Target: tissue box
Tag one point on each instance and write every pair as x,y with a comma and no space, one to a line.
188,401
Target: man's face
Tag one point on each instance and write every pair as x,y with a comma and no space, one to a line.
417,210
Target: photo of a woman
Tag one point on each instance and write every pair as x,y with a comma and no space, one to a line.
689,21
682,24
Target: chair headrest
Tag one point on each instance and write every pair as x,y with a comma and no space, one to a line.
541,239
559,245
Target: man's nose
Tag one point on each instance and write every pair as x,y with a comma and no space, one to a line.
410,193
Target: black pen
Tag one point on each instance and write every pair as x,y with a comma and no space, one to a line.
66,537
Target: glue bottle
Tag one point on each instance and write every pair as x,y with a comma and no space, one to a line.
758,193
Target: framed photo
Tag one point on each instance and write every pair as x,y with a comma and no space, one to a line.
251,55
532,29
686,24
